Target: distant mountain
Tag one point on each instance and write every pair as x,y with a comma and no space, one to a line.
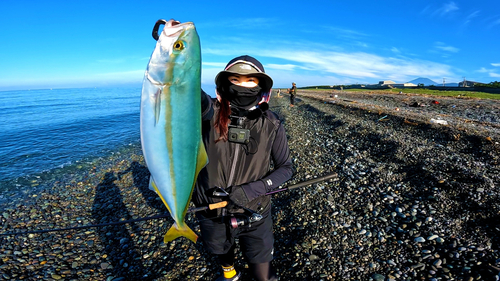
425,81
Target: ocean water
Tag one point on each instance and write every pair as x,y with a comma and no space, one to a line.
42,131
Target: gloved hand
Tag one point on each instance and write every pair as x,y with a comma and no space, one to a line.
238,196
204,101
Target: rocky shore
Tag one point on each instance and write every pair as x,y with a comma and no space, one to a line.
411,200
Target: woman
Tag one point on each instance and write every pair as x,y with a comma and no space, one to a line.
243,140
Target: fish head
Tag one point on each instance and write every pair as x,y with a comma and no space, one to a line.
177,49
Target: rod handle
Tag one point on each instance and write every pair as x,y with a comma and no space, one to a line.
217,205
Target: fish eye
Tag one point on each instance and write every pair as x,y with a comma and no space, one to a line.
178,45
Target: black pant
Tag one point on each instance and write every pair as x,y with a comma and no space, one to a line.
292,99
256,241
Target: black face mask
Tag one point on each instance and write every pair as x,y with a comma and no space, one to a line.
243,97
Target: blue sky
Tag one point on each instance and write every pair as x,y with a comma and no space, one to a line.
58,44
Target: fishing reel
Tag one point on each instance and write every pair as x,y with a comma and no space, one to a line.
235,220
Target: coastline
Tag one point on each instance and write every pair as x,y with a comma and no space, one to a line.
24,187
410,201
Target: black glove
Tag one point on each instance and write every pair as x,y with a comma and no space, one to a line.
204,101
238,196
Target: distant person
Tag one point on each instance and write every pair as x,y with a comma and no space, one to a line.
292,92
278,94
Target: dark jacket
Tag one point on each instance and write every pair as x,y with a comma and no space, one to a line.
248,165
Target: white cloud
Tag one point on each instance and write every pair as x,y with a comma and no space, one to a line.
444,10
337,32
362,44
123,74
111,61
444,47
280,66
239,23
496,22
304,59
471,16
284,79
74,80
120,60
490,72
424,11
216,64
448,49
447,8
360,65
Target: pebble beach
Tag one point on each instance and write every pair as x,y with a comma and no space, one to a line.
411,199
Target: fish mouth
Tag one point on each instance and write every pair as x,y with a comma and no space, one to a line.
173,22
177,24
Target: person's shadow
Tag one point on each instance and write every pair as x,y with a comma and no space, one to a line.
123,259
157,263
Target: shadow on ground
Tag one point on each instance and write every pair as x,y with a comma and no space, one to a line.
139,262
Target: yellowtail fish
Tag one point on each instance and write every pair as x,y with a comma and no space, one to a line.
171,120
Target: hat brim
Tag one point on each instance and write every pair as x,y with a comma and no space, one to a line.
265,81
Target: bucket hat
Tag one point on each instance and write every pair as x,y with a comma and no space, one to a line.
245,65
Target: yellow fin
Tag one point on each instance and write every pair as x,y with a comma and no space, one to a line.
202,160
175,232
152,185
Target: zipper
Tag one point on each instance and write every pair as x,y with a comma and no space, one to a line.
233,166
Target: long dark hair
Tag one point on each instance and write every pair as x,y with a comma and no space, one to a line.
221,123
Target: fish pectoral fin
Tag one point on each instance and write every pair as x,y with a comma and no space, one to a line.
152,185
175,232
157,106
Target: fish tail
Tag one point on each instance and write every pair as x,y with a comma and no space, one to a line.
176,231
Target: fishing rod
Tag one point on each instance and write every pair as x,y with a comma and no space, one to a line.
160,216
304,183
237,220
165,215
